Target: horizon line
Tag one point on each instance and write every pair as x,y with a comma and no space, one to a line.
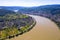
28,6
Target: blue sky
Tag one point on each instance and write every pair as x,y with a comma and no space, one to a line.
28,3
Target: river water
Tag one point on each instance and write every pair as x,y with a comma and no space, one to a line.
44,29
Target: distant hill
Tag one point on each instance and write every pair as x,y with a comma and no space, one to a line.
47,8
30,9
4,12
11,7
50,9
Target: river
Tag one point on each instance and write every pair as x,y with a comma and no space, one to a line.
44,29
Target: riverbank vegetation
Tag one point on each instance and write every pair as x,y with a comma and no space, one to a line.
15,24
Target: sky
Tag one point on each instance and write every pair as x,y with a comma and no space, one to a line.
28,3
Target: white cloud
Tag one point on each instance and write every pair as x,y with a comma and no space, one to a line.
27,3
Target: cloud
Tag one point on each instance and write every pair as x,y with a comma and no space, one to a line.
27,3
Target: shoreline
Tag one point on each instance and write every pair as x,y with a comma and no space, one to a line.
14,31
25,31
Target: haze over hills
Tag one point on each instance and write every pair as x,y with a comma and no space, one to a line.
49,11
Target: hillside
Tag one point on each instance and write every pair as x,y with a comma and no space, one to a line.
5,11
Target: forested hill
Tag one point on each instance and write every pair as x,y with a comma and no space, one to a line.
50,9
5,11
47,8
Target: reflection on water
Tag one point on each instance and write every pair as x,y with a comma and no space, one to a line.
43,30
